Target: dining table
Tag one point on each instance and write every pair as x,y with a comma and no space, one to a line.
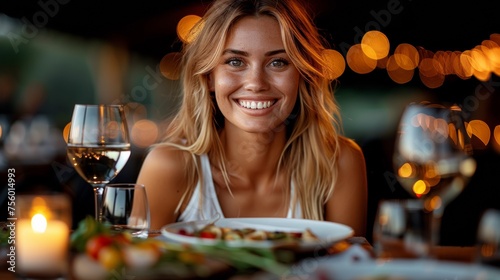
352,249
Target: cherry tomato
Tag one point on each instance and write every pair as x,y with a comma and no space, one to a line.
207,234
96,243
184,232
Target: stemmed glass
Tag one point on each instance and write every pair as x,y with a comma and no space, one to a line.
98,145
433,158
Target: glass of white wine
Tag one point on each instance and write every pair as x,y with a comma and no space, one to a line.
98,145
433,158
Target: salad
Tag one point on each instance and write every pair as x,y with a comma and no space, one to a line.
102,253
211,231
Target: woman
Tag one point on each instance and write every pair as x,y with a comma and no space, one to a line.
257,132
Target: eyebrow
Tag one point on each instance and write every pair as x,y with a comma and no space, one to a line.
243,53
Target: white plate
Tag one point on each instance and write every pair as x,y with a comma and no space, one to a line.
327,232
399,269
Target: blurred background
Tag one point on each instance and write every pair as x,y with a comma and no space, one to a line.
56,53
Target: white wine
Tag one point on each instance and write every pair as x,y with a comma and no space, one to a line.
99,164
444,180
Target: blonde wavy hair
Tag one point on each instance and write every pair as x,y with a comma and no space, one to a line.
311,149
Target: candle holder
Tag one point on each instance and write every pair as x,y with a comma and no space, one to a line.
42,236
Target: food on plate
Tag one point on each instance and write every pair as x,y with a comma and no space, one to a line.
101,253
211,231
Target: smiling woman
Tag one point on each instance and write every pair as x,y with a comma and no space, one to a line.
258,131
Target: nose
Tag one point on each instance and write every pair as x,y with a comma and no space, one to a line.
256,80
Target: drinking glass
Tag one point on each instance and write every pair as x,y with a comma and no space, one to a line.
401,229
432,157
98,145
125,208
488,238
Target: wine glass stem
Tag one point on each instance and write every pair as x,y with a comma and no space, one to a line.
435,224
98,191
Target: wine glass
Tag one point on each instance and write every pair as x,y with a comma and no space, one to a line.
98,145
433,157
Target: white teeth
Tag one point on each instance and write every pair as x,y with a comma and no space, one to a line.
255,104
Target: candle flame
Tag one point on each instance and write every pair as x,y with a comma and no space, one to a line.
39,223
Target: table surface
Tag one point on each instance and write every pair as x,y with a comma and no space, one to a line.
449,253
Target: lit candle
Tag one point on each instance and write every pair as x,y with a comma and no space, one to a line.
42,241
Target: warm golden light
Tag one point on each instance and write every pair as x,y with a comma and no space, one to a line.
358,61
466,61
481,130
468,167
336,64
432,81
405,171
397,73
419,188
39,223
406,56
375,44
66,131
435,203
144,133
429,74
496,137
185,30
170,65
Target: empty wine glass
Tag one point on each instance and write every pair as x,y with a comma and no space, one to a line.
432,157
98,145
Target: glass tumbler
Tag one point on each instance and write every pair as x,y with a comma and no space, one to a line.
488,238
125,208
400,230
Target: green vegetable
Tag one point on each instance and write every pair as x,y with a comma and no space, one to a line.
87,228
241,258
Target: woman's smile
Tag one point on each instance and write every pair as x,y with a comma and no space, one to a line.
255,82
255,104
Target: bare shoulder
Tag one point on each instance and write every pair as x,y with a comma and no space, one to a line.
164,175
348,204
350,153
163,164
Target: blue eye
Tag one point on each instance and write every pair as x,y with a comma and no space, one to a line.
236,62
279,63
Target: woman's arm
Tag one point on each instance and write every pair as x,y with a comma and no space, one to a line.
348,204
162,174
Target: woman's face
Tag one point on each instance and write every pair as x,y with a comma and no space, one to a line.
255,83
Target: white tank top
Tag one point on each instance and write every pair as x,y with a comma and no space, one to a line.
210,207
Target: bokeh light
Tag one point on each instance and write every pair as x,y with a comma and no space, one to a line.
336,64
144,133
358,61
170,65
375,44
185,30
